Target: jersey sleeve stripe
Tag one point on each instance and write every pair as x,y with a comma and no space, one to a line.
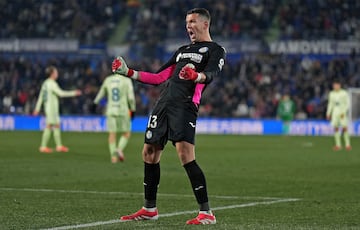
197,93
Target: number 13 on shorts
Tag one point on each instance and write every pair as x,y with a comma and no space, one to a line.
152,122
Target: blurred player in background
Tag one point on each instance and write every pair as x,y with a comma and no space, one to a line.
173,118
285,112
49,93
119,111
337,109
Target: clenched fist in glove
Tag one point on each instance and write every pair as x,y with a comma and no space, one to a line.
188,73
119,66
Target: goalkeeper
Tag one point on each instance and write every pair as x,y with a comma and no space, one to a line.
337,109
49,93
120,108
184,77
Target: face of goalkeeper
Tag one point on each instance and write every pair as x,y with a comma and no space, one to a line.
197,25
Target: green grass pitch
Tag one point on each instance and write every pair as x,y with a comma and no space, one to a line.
253,183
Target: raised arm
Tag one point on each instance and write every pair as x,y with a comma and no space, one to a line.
156,78
119,66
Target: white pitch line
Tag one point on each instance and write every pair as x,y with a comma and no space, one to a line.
94,224
131,193
99,223
233,206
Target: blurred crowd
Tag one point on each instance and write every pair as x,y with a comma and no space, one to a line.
21,79
90,21
152,21
250,88
320,19
253,86
159,20
250,19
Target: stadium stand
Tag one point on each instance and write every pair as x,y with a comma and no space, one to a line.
249,86
157,21
320,19
89,21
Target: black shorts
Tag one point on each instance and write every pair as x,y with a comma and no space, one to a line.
172,121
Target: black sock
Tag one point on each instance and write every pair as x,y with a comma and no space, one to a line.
151,183
198,184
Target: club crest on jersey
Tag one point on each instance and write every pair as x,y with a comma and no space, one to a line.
203,49
148,134
195,57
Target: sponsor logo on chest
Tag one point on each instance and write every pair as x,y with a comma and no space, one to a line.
195,57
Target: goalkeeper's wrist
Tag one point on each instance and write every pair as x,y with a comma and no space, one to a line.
199,78
133,74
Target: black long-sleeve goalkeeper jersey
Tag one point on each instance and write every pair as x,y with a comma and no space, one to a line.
207,57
